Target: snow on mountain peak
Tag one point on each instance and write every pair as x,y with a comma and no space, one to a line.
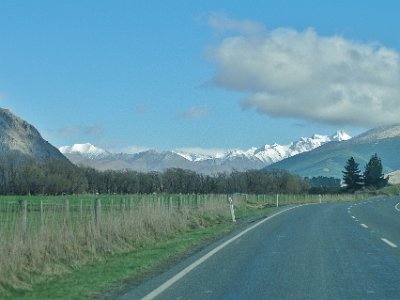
266,154
339,136
86,149
271,154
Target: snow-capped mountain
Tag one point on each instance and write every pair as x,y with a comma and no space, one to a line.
88,150
272,153
152,160
329,159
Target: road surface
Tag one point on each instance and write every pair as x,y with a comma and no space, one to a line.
322,251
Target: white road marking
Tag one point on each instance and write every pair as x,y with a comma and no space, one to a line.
353,217
195,264
363,225
397,206
393,245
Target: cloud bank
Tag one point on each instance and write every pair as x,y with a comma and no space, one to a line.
300,74
194,112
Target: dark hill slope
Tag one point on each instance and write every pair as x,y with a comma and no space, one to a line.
329,159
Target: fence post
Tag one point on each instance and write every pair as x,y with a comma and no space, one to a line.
66,211
170,204
81,209
122,205
179,203
142,202
23,210
97,211
277,200
41,213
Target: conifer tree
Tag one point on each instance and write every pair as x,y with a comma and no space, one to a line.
373,176
352,175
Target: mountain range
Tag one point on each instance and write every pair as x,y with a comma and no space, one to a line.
153,160
317,155
330,158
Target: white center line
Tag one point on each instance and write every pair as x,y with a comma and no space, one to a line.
363,225
393,245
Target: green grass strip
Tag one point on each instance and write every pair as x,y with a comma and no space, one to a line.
91,280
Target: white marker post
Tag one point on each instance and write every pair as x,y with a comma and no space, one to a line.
277,200
320,198
230,202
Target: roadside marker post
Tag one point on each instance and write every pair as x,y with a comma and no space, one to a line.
277,200
230,201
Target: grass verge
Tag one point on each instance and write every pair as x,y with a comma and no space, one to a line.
90,280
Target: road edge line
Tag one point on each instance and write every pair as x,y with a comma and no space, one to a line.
386,241
202,259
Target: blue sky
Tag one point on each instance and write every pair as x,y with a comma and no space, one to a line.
198,74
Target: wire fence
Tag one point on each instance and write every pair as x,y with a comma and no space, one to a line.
27,213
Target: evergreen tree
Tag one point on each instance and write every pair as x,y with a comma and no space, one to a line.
373,176
352,175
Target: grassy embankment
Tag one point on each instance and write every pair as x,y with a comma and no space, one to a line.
52,248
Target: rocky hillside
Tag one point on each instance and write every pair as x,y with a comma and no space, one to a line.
18,137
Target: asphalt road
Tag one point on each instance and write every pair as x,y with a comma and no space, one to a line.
322,251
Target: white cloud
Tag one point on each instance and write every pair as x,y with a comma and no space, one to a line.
194,112
329,79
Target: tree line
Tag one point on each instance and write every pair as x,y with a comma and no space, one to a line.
175,180
55,177
25,176
372,177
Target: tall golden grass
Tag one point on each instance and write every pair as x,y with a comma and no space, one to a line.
42,239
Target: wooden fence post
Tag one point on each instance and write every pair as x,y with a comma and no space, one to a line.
23,211
41,213
180,201
66,211
81,209
170,204
97,211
